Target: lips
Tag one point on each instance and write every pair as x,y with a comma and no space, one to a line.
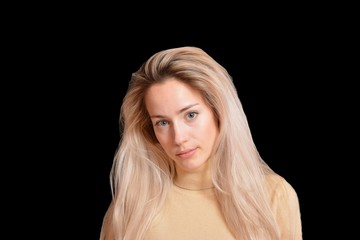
186,153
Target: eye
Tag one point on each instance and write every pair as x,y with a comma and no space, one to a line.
191,115
161,123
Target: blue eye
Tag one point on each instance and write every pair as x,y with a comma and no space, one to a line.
192,115
161,123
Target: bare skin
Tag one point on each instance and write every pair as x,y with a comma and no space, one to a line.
186,128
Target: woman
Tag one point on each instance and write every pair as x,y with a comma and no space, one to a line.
186,166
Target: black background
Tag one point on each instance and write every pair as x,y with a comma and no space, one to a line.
77,66
272,78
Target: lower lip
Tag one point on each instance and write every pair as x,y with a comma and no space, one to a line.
187,154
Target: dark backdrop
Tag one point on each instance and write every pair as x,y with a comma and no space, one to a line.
69,65
86,69
272,79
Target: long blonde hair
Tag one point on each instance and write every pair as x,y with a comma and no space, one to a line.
142,173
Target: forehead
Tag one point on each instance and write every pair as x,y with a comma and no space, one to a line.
171,95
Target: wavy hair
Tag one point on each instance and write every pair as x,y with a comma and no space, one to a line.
142,173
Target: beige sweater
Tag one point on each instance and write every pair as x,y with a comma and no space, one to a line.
196,215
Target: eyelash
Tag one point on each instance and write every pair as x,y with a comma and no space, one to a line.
188,115
194,113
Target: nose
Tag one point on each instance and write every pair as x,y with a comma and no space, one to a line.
180,133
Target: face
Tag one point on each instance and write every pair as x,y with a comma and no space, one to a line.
183,124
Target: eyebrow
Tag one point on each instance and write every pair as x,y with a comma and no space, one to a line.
180,111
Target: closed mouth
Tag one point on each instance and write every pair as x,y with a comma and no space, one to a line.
186,153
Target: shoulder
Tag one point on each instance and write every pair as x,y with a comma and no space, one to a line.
277,186
285,206
281,193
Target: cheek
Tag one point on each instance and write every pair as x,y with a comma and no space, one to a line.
162,139
165,144
210,135
210,131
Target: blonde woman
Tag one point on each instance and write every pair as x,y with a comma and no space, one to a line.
186,166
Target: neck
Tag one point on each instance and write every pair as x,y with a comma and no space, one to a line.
193,189
195,180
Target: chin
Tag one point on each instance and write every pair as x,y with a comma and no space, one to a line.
191,166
